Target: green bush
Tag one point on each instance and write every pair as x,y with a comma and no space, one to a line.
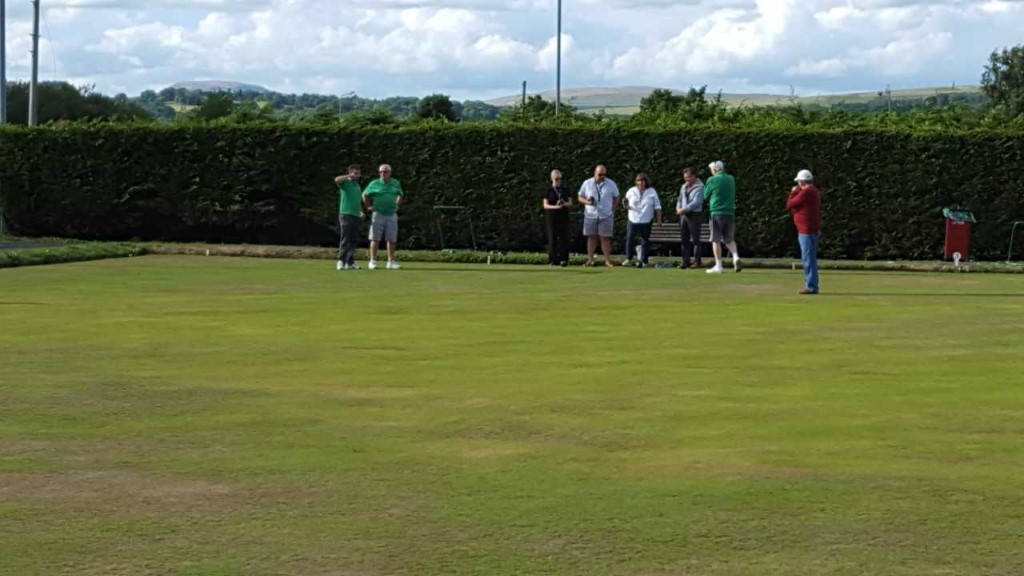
272,184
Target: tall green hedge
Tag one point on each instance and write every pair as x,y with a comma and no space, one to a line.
883,191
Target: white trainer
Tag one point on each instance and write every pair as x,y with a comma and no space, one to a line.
714,270
341,265
392,265
353,266
373,265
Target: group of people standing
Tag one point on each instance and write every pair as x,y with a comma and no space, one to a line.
381,198
600,198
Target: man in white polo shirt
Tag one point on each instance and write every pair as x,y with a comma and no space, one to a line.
600,198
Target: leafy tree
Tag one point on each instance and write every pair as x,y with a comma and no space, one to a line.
436,106
689,107
376,117
215,105
477,110
537,109
62,101
1003,79
660,101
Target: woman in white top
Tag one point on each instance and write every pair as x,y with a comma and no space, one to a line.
644,207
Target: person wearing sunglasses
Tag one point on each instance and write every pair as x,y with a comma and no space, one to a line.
383,196
556,204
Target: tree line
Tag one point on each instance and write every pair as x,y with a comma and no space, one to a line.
999,105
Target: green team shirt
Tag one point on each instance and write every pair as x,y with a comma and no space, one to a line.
384,195
351,198
720,192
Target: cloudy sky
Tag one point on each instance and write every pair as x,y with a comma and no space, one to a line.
486,48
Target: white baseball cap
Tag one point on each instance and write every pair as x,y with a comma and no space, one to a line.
717,165
804,176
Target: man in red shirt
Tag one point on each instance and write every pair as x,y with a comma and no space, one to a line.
804,203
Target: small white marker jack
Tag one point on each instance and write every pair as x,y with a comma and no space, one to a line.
956,259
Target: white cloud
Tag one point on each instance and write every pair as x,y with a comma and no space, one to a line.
413,47
547,56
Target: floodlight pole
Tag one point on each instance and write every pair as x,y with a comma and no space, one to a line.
33,89
558,61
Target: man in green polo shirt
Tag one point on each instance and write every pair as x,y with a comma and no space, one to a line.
720,195
350,211
384,196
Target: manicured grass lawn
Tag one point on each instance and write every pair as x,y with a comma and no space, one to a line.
230,416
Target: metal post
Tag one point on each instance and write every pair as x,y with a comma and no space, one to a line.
558,61
3,61
33,89
524,93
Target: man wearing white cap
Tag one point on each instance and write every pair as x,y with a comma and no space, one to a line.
720,195
804,203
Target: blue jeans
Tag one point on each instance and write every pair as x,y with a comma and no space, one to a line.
809,256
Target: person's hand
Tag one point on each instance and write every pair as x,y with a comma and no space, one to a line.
680,212
340,179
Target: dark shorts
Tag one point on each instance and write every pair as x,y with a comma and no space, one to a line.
723,228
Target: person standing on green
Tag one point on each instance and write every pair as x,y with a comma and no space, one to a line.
350,211
720,195
384,196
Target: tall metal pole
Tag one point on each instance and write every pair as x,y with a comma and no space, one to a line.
558,61
33,89
524,93
3,61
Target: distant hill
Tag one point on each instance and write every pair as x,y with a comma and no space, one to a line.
626,99
220,85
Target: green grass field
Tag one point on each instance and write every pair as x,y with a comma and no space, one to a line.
174,415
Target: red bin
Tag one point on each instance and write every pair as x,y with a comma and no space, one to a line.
958,233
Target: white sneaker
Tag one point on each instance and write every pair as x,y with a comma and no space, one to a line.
373,265
627,262
392,265
714,270
341,265
353,266
736,265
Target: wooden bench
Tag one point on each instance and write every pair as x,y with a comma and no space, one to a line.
668,233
